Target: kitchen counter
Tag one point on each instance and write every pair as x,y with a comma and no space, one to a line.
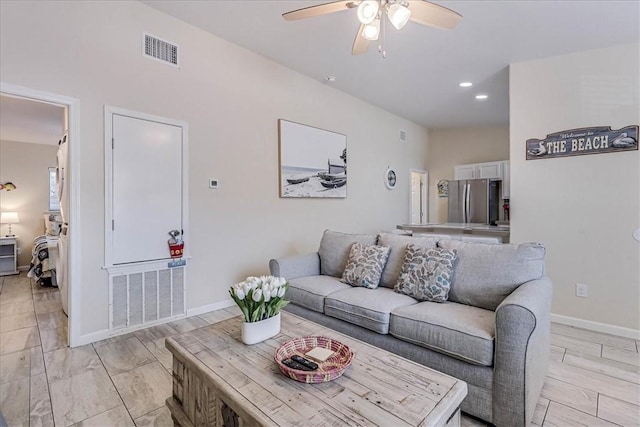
500,231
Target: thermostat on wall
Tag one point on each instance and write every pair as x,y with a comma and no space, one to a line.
213,183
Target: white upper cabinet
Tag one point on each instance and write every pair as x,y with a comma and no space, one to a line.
488,170
465,171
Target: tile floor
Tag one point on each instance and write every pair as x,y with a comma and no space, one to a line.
122,381
593,380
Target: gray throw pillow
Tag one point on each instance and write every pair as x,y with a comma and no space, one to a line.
334,250
365,265
397,245
426,273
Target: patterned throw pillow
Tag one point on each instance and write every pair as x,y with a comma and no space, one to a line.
365,265
426,273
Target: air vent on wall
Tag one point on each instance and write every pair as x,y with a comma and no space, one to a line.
160,50
403,135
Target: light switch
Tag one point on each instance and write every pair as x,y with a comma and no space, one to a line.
213,183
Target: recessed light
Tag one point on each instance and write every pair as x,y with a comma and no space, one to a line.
466,84
481,97
331,79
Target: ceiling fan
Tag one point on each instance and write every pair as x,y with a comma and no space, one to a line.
371,12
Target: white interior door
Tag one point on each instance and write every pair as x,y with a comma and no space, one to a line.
147,188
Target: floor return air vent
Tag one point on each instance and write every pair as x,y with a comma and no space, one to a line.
143,297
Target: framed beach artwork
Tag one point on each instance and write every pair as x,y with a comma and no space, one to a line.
313,161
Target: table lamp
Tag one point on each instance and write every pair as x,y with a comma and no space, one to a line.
9,218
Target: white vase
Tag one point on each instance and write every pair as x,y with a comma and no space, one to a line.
255,332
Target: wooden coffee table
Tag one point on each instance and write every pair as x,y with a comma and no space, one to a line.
218,380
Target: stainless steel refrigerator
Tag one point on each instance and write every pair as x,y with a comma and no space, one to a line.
474,201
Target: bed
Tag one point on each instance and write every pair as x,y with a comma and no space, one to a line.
45,252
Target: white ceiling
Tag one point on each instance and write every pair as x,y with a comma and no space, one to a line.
419,78
25,120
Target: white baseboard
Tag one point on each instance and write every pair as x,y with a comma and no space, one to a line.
23,268
596,326
210,307
106,333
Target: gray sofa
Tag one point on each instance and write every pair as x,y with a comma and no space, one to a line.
492,332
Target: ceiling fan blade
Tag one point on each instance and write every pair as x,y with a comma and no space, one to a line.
360,44
426,13
321,9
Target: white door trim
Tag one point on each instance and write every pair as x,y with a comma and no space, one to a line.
109,111
425,195
75,250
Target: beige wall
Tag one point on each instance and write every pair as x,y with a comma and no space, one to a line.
583,208
459,146
27,166
232,100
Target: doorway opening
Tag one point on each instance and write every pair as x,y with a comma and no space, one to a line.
419,197
36,127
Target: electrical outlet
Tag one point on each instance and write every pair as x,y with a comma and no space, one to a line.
19,250
582,290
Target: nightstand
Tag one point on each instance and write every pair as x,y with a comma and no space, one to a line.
8,256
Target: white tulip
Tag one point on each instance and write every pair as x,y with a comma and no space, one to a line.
246,287
281,292
257,295
267,296
240,294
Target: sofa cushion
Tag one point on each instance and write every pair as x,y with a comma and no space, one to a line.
365,265
397,245
485,274
458,330
426,273
334,250
368,308
310,291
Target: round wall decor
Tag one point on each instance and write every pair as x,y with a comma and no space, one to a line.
390,178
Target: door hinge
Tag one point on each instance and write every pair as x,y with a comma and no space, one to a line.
113,224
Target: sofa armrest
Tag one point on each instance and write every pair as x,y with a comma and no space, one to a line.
522,346
296,266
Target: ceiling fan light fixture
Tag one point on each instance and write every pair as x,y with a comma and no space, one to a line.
398,14
371,31
368,11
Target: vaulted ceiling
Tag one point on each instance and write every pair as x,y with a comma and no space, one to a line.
419,77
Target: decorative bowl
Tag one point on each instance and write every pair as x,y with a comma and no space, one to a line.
328,370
